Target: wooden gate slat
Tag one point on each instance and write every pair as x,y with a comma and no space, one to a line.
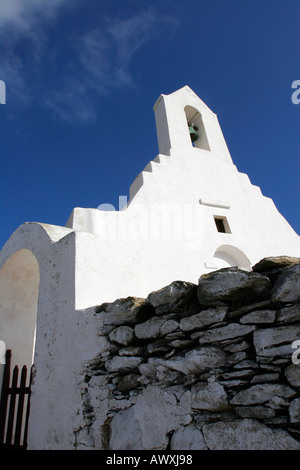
11,414
27,411
12,423
20,406
4,395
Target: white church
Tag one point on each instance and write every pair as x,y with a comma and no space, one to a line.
190,211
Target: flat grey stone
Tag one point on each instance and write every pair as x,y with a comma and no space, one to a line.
275,262
188,438
122,364
232,286
195,361
121,311
259,316
246,434
263,304
233,330
246,364
289,314
294,411
260,412
128,382
272,342
209,396
155,327
287,285
202,319
292,374
172,298
258,394
233,383
131,351
158,346
263,378
147,423
204,358
122,335
237,357
181,343
238,374
234,347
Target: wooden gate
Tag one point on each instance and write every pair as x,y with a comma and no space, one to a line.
14,407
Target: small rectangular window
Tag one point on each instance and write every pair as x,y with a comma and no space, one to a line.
222,224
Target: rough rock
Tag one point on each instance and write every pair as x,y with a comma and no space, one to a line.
128,382
196,361
149,421
203,358
274,262
294,411
259,412
202,319
271,342
122,364
188,438
233,330
131,351
155,327
263,378
158,346
121,311
237,374
240,311
122,335
172,298
211,396
167,376
259,316
246,434
232,286
287,285
237,345
258,394
127,437
292,374
288,314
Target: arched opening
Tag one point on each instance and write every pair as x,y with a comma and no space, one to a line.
19,288
228,256
194,118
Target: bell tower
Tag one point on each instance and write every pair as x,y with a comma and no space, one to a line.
184,123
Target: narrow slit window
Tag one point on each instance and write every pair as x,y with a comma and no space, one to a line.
222,224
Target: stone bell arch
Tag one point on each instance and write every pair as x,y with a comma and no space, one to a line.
196,128
172,115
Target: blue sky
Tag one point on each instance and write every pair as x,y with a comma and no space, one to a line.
82,77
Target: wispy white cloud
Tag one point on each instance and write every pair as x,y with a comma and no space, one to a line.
99,58
22,13
23,41
104,57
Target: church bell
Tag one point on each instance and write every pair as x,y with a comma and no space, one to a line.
193,132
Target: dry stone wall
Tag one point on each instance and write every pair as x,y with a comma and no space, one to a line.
198,367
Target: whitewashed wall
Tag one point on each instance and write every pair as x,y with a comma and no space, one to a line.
165,233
